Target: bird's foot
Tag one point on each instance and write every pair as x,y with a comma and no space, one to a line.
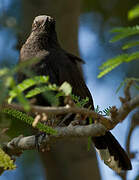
39,138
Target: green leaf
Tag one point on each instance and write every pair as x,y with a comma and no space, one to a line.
120,86
134,12
79,101
5,161
107,111
113,61
132,56
66,88
36,91
20,97
124,32
130,45
126,81
31,82
107,70
110,64
25,85
4,71
29,120
50,92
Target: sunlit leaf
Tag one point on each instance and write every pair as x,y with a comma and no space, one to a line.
110,64
4,71
132,56
130,44
107,70
113,61
134,12
5,161
66,88
31,82
25,85
36,91
124,32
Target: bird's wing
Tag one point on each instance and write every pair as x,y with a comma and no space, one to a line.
74,58
71,73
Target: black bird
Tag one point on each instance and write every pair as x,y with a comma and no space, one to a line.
62,66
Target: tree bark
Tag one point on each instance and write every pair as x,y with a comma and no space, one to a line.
66,159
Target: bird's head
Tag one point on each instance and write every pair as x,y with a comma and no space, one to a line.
43,25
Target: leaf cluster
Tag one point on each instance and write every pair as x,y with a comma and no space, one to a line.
122,33
105,112
23,92
5,161
135,84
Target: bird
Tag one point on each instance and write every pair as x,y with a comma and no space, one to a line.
62,66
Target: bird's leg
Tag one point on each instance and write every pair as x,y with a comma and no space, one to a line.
41,135
39,139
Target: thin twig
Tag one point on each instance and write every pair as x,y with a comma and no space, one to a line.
103,124
109,123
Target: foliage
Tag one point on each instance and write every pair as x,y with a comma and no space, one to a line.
66,88
22,92
28,119
122,33
105,112
25,85
7,81
80,102
5,161
136,83
15,91
130,44
134,12
30,88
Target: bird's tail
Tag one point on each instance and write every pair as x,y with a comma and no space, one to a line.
112,153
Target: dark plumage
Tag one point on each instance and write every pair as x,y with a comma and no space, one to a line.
62,66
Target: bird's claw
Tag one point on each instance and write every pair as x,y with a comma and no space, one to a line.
39,140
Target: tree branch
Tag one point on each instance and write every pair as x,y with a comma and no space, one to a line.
99,127
134,123
109,123
21,143
103,124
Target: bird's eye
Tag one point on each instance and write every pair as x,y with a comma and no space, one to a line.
36,24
